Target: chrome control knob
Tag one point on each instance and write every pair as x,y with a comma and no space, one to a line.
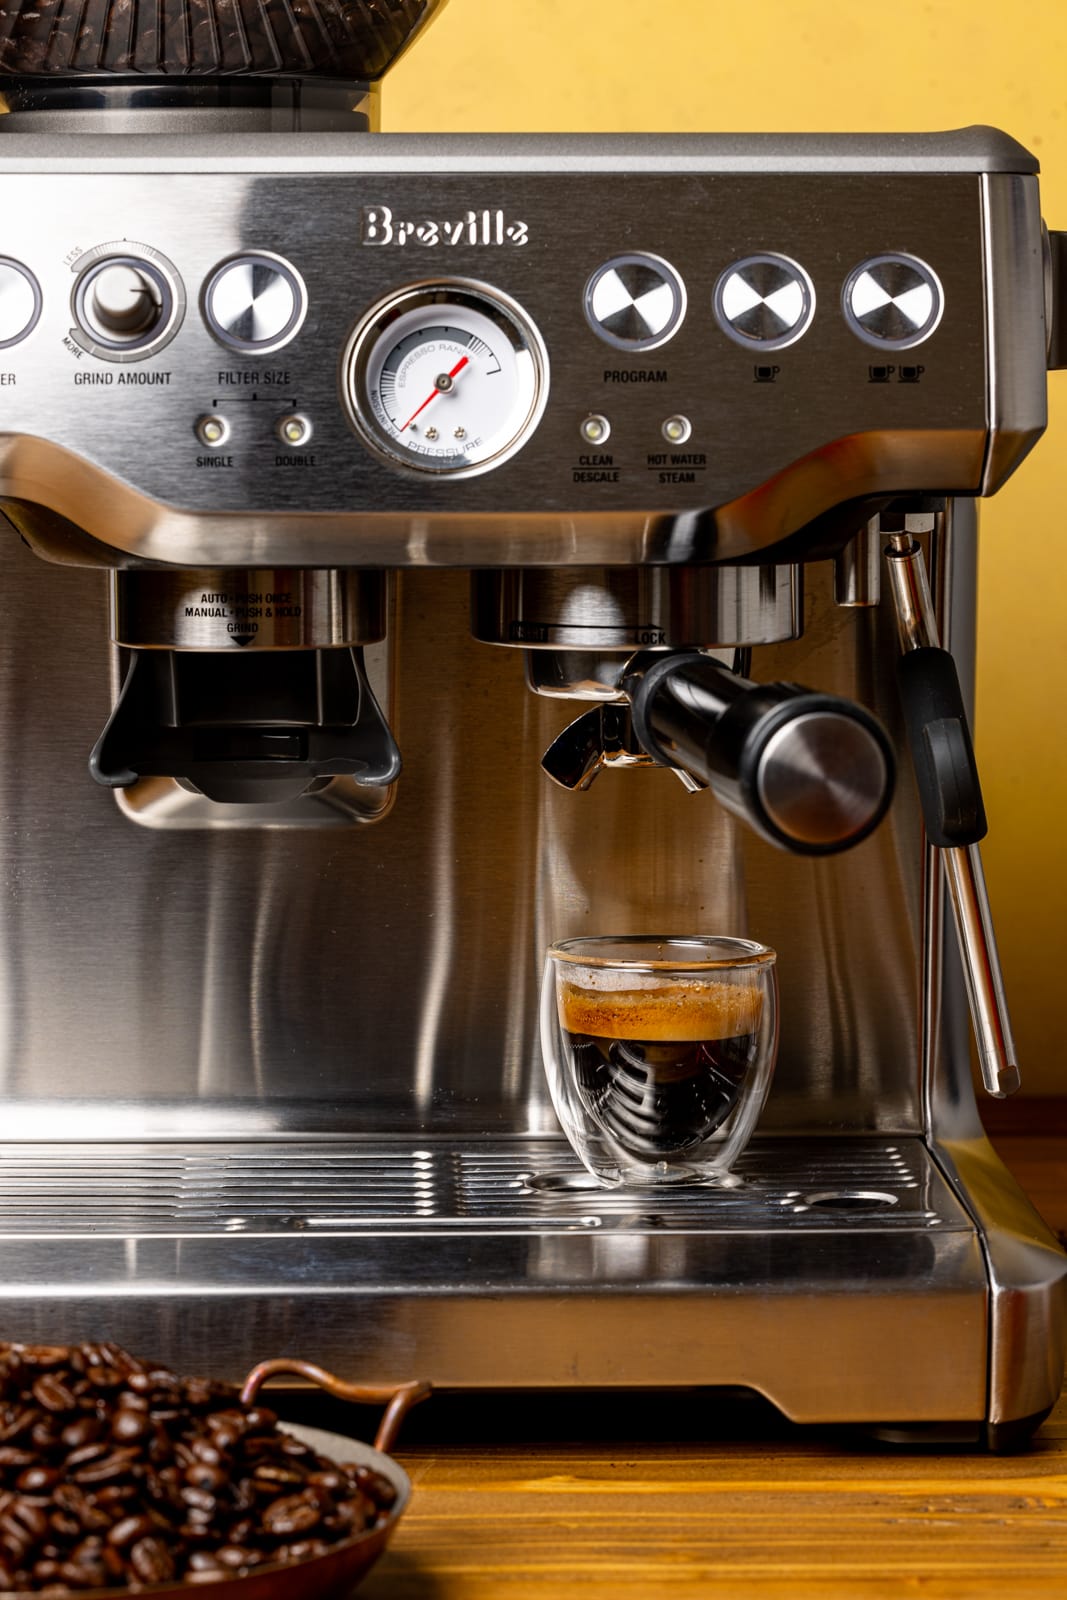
764,302
20,302
893,301
255,303
635,302
123,301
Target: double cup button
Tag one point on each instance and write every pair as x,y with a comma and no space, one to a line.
893,301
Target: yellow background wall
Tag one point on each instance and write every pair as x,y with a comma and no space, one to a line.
702,65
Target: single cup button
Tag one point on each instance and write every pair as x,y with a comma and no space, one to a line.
764,302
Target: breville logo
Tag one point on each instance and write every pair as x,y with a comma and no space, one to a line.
382,226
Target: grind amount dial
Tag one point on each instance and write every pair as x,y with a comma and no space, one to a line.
127,302
448,377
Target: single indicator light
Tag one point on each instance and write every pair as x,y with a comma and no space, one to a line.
212,431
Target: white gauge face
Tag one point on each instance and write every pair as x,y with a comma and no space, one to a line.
447,378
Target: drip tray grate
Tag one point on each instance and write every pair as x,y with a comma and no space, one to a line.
520,1185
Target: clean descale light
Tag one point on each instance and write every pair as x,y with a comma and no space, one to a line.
595,429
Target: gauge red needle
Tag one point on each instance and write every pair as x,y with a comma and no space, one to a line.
464,361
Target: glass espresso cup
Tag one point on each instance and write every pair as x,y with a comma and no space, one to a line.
659,1052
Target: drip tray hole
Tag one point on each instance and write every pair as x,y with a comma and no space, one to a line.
847,1200
561,1182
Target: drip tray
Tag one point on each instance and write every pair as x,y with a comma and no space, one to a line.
285,1187
841,1277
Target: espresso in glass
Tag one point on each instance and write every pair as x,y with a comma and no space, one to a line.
659,1052
661,1069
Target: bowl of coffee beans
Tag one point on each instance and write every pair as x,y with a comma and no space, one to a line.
118,1476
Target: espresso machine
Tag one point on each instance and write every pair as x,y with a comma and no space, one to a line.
418,550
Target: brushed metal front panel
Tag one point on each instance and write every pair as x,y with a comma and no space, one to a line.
249,979
776,439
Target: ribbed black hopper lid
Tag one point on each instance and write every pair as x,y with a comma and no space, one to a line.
356,40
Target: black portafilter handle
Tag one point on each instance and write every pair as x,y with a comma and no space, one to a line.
812,773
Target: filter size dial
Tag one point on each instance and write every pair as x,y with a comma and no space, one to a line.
449,377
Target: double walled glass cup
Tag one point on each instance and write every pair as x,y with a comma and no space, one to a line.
659,1052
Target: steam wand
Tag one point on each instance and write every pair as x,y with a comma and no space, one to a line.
949,791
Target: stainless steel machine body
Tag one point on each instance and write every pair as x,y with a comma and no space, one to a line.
269,1075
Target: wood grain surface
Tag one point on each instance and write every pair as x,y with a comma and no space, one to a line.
738,1503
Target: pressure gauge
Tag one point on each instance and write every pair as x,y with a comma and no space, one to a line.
449,377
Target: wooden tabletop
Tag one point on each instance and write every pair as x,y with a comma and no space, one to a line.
523,1501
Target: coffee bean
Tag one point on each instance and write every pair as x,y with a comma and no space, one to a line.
42,1355
31,1517
107,1468
129,1425
102,1377
52,1394
87,1430
296,1513
86,1453
152,1561
199,1475
129,1530
234,1556
259,1420
282,1476
22,1423
37,1480
199,1500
